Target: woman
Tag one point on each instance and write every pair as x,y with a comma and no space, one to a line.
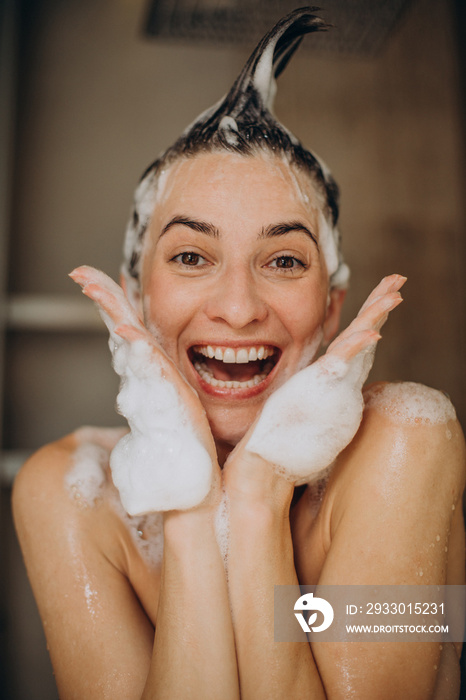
233,279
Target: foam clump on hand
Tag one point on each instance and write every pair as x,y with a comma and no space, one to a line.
311,418
160,464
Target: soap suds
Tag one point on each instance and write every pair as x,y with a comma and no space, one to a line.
409,402
230,129
160,464
306,423
86,478
146,532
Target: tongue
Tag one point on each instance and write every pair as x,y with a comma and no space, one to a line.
233,372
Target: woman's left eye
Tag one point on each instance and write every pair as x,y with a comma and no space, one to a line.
286,262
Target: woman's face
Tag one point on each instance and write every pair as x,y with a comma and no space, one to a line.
234,283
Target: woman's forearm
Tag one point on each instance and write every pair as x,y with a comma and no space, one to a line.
261,555
194,649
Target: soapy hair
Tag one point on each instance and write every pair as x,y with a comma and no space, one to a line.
243,123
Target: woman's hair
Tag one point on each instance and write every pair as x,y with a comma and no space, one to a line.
243,123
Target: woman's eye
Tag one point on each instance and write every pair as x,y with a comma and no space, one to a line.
286,262
189,259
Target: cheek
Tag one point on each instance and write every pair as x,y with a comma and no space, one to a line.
304,312
167,309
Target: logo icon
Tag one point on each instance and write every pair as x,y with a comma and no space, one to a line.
309,603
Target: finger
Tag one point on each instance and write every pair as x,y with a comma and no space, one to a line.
390,284
350,346
373,316
107,294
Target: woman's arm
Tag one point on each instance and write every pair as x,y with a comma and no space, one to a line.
260,557
194,652
394,518
101,640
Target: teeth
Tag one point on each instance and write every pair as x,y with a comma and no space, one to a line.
231,356
208,377
242,356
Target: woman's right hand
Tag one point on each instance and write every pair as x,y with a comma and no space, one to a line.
168,461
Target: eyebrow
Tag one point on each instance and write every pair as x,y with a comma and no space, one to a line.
287,227
270,231
199,226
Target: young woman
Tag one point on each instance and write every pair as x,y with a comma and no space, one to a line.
233,280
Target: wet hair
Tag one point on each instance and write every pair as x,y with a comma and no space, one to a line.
243,123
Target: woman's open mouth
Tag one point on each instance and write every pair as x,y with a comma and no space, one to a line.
223,367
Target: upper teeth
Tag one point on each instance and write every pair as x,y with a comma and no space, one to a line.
230,355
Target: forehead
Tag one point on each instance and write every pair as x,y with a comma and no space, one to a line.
229,186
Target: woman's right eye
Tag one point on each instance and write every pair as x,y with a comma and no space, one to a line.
189,259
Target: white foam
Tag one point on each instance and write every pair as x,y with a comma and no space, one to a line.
160,464
264,81
146,532
409,402
86,477
306,423
230,128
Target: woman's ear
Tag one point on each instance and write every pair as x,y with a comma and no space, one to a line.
332,319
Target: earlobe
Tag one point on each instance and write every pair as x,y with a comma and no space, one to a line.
332,319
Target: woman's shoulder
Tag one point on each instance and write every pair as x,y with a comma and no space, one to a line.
414,415
79,458
409,403
73,469
409,441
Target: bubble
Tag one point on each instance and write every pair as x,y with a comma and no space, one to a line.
287,433
409,402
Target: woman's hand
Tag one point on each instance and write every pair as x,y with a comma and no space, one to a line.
306,423
168,461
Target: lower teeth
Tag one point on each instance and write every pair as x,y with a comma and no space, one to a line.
210,379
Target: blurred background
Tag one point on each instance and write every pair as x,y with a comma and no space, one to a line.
92,90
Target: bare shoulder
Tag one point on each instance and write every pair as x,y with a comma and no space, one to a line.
395,494
74,466
409,437
64,491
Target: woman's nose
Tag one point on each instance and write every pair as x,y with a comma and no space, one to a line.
236,300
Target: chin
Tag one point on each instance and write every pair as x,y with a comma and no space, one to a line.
229,425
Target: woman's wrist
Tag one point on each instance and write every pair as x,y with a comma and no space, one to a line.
256,485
